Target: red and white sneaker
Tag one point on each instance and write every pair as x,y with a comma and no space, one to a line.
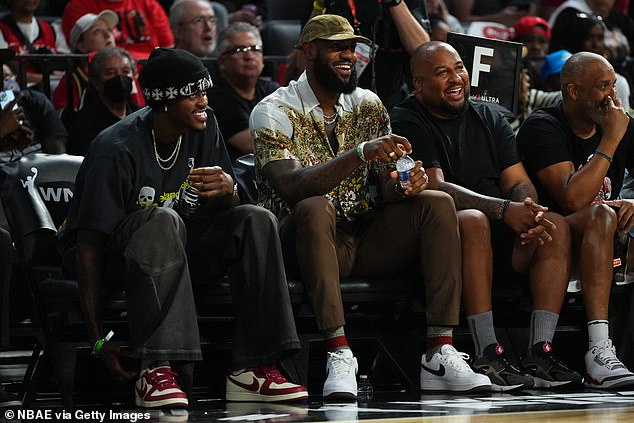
265,384
157,387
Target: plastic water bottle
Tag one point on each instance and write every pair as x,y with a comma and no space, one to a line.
403,165
364,388
187,201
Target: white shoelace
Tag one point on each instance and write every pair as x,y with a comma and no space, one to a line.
607,354
341,366
456,360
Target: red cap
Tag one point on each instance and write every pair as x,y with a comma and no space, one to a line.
529,25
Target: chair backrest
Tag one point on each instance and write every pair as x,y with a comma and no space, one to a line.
279,37
36,193
287,9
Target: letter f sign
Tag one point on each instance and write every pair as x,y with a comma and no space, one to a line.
477,65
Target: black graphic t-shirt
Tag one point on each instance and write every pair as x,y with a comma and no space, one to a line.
120,173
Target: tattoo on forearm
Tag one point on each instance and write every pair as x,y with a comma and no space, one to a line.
523,190
467,199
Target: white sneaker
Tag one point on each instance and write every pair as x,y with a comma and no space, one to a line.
448,371
604,370
341,376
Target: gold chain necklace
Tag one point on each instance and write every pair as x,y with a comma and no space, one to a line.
329,120
163,163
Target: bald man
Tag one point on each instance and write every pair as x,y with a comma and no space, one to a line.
500,218
576,152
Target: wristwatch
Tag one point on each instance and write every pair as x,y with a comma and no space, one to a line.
391,3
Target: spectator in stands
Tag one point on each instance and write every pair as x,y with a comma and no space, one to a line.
506,12
576,152
391,25
251,11
619,28
438,9
106,101
193,24
439,28
127,210
534,33
90,34
239,87
587,33
551,70
469,152
143,24
23,33
29,124
318,144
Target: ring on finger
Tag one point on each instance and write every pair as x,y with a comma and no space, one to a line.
392,154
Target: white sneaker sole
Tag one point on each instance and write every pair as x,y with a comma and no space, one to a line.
439,385
254,397
166,403
623,381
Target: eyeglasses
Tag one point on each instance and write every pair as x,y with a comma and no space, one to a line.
201,20
582,15
243,50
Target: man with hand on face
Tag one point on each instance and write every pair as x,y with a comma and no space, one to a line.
323,148
469,152
106,101
156,207
577,151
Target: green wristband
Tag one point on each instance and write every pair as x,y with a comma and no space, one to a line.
99,344
360,151
602,154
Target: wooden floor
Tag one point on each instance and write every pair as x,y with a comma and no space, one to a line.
529,406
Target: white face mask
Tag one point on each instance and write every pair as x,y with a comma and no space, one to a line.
11,84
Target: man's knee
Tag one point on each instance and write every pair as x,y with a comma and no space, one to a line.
598,219
474,225
315,210
436,205
260,218
169,222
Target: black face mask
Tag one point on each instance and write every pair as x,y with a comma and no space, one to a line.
118,88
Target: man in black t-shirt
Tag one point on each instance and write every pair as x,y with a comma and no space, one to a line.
155,201
239,87
469,151
577,152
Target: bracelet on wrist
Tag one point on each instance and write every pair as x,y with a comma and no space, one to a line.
318,6
503,209
96,349
360,151
602,154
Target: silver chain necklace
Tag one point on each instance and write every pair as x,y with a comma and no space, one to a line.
163,163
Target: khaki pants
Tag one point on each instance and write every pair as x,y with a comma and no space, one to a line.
423,229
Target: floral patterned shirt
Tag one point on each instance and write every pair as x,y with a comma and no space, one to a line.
289,125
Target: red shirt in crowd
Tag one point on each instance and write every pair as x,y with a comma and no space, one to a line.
143,24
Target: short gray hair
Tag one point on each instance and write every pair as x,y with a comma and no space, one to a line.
236,28
177,8
109,52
